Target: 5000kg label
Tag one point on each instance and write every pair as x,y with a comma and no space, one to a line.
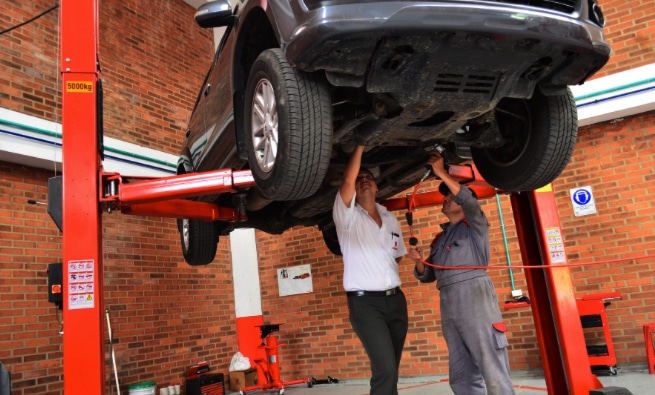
79,86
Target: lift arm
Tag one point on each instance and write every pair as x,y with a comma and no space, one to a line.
163,197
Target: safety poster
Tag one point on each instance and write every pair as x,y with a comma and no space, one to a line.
81,280
295,280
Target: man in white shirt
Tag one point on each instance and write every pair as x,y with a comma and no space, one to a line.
372,245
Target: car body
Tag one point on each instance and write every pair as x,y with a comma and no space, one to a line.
295,85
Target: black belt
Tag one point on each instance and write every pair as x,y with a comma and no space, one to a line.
388,292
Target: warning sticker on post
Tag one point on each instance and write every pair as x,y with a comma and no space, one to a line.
555,245
81,289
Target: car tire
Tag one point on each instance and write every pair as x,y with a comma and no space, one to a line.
290,164
330,238
540,134
199,240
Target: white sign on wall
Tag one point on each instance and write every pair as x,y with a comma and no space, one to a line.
583,201
295,280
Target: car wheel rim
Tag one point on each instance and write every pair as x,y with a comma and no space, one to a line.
185,233
264,125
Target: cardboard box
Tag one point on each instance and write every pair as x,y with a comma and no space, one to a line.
242,378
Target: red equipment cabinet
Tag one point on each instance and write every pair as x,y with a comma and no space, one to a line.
591,309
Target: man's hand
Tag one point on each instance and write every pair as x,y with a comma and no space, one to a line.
436,161
439,170
415,254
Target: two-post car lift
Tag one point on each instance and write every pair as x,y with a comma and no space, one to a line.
87,191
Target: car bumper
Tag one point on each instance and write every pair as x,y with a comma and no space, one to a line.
348,38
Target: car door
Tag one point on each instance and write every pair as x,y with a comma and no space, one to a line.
211,128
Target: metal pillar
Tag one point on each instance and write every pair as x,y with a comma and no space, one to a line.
84,368
559,331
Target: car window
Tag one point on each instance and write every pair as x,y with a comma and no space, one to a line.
219,49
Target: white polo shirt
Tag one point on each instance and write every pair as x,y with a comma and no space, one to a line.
369,252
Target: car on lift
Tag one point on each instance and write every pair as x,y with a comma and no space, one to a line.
295,85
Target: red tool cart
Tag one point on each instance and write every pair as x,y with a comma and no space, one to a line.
591,309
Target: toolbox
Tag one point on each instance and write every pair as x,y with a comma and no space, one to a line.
200,382
206,384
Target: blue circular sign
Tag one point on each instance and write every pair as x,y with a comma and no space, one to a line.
582,196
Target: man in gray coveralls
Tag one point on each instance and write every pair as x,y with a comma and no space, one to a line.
470,317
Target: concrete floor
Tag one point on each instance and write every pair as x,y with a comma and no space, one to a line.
525,383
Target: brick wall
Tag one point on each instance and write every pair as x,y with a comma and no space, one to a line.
165,315
154,58
153,61
630,29
28,60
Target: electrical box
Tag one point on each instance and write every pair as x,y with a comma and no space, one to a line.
55,284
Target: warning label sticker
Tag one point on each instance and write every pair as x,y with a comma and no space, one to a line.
81,280
555,245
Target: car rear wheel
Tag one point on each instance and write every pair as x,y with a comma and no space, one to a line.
539,134
288,128
199,240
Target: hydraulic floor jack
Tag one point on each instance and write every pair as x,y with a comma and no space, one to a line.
271,367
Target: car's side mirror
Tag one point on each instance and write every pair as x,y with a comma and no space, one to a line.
214,14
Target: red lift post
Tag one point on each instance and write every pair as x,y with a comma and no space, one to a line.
559,331
84,367
86,190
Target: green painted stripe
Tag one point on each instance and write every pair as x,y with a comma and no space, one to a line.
50,133
618,88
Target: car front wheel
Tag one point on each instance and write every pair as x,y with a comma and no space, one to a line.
288,128
539,136
199,240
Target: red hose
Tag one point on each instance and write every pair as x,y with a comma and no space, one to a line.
411,233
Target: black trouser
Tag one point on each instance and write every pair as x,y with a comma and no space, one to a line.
381,322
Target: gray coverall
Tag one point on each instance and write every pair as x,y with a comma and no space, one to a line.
5,385
470,317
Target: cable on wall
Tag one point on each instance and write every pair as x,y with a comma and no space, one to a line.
54,7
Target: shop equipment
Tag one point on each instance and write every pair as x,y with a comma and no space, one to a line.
271,366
